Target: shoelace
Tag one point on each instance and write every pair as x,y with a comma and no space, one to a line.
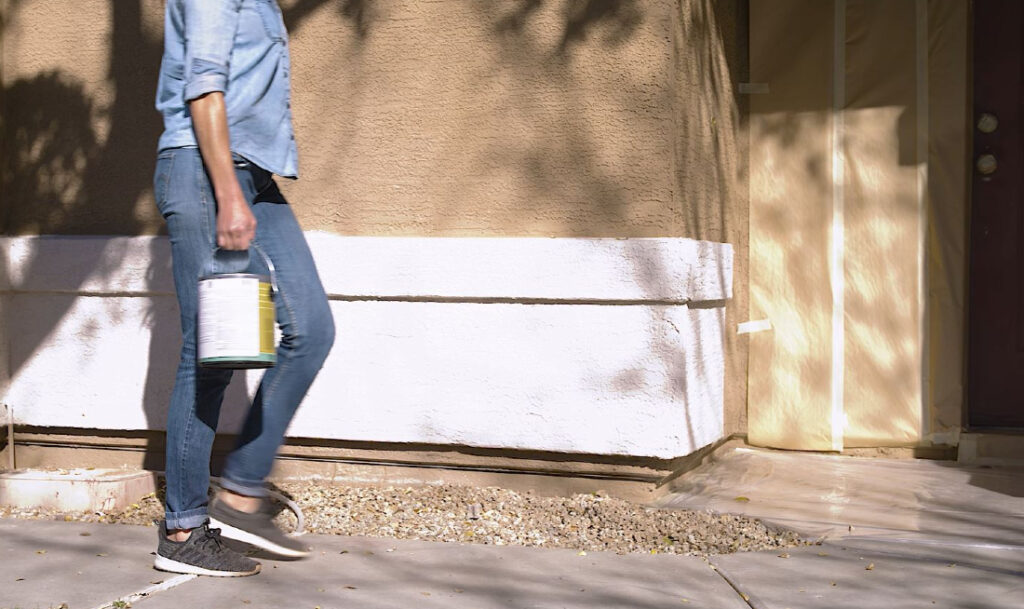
214,535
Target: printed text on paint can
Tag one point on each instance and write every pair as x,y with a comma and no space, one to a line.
229,318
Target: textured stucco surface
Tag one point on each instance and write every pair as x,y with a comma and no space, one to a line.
454,118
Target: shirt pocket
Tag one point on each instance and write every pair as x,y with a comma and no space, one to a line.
273,22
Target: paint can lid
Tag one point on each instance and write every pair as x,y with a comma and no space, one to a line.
262,278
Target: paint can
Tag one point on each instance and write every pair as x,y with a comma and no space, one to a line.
236,314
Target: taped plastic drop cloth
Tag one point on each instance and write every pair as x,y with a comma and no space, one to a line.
858,194
882,499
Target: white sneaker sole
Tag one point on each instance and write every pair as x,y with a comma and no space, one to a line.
166,564
254,540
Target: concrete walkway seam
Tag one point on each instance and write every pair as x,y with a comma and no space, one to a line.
147,592
750,600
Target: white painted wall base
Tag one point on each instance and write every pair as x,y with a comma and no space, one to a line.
576,345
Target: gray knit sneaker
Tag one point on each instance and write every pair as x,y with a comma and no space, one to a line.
203,553
256,529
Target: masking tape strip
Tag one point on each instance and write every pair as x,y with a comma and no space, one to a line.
754,326
922,209
836,258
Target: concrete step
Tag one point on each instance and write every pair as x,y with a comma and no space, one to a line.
75,490
991,449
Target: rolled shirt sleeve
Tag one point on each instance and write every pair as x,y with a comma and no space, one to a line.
210,27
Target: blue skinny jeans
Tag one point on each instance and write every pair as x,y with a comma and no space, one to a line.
184,196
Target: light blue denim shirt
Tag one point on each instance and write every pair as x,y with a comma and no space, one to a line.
238,47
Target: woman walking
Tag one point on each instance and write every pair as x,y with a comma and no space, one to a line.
225,98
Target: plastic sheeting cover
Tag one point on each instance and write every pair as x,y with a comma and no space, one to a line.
857,240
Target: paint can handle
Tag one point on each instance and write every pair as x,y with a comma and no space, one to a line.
237,261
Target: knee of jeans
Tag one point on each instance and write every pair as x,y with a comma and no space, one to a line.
316,343
324,335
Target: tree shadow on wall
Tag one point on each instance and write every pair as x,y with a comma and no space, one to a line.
62,173
581,18
44,151
571,162
62,176
100,180
359,12
710,39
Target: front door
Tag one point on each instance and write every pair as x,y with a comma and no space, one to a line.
996,325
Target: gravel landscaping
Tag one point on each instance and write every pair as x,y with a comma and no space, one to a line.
594,522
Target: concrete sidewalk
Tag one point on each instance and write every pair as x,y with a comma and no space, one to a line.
44,564
898,534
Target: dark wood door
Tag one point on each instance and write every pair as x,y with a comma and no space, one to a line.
996,324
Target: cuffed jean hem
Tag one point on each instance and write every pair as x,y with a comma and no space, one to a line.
190,519
242,488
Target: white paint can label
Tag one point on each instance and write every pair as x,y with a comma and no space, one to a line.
236,322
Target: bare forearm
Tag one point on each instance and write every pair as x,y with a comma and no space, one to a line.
236,225
210,122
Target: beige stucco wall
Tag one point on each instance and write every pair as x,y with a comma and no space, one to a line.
561,118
